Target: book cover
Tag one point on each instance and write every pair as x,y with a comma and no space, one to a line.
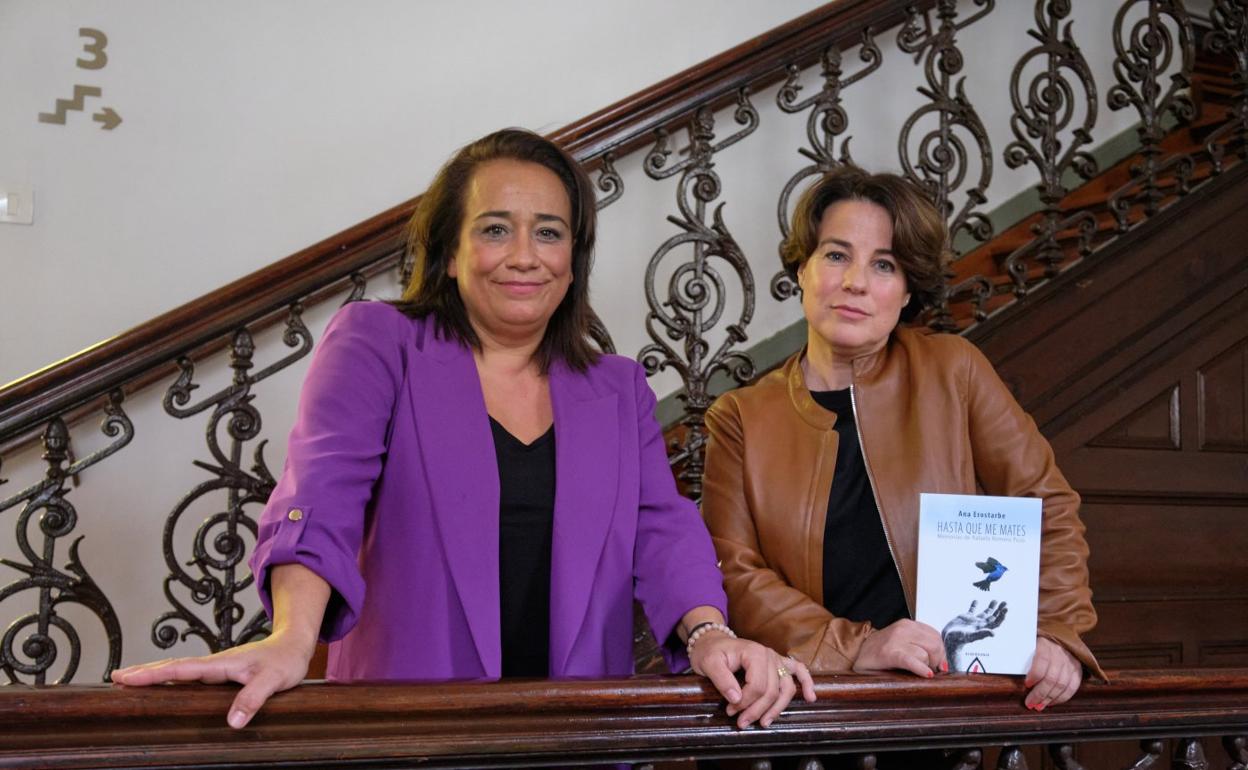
979,579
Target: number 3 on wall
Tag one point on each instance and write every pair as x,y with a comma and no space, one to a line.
96,48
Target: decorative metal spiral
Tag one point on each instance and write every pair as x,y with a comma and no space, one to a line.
825,123
941,160
695,299
1230,37
609,183
216,571
29,648
1143,54
1043,111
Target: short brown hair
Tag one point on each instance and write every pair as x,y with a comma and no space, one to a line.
433,239
920,236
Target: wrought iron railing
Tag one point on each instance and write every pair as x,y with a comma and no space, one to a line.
975,721
942,145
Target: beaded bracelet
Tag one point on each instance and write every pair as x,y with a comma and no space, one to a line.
701,629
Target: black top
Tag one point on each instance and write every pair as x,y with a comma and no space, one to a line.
526,514
860,580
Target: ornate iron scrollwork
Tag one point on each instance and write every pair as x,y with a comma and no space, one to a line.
1152,749
967,759
1063,756
825,123
218,548
1237,749
1230,37
35,655
696,297
942,167
1011,758
1142,55
1039,123
359,284
609,183
1189,754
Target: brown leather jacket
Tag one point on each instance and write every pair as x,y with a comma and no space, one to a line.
933,416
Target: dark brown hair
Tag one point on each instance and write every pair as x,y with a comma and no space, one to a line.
433,239
920,237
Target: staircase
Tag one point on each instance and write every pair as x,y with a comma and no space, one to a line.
1028,274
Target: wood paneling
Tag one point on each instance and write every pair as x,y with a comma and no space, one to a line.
1156,425
1135,365
1222,401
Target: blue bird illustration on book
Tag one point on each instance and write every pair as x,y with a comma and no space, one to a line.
993,570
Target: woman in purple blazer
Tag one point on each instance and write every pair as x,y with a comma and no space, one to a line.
472,490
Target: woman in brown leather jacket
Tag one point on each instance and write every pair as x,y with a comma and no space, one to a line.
813,474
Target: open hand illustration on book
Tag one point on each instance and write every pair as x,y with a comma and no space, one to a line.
970,627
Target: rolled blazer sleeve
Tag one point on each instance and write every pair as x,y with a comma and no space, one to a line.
765,607
674,566
1012,458
316,514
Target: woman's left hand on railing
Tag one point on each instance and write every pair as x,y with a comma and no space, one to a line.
1054,677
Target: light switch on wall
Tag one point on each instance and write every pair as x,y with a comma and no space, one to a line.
17,204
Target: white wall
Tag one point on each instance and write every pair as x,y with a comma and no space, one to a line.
252,129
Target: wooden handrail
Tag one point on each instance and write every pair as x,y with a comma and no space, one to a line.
130,359
529,723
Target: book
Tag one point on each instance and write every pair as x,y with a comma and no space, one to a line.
979,579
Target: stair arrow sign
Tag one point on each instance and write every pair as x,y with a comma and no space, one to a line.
107,119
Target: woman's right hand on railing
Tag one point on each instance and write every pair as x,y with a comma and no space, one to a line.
263,668
906,645
271,665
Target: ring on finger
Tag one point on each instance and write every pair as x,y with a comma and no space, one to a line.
783,672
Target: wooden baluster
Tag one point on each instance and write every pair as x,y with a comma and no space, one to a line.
866,762
1237,749
761,764
1152,749
810,763
1189,754
1063,755
1011,758
967,759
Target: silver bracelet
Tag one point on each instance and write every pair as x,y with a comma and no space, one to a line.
701,629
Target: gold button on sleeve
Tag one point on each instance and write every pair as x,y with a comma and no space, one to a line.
295,514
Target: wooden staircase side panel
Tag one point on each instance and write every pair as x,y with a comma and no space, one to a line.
1135,365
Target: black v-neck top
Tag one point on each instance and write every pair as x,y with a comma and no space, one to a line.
860,580
526,513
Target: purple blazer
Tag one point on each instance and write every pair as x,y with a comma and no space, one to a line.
390,493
